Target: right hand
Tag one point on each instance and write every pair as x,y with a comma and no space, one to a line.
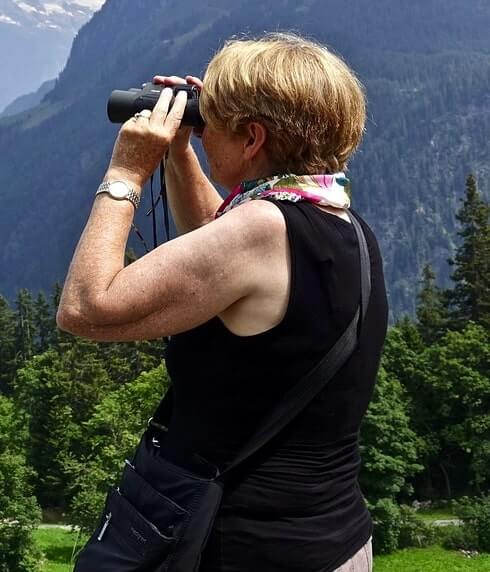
182,138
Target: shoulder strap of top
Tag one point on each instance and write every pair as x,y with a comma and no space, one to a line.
302,393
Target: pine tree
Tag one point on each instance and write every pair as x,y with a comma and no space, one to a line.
62,341
24,330
7,346
431,312
470,297
43,324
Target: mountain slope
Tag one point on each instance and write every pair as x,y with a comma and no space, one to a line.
426,67
28,101
35,40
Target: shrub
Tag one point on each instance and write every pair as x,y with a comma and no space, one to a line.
414,531
476,515
387,526
456,537
19,511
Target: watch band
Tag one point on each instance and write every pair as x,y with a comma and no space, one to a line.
131,196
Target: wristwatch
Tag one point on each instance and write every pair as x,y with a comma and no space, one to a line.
119,190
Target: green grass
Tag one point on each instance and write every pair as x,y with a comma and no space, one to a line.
433,559
430,515
57,546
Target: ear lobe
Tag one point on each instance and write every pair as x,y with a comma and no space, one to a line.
256,137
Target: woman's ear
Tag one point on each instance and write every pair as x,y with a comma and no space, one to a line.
255,138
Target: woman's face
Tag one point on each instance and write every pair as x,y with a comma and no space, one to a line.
224,152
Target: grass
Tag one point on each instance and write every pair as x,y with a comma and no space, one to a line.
429,515
433,559
57,546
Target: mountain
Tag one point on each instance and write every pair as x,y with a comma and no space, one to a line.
28,101
426,68
35,40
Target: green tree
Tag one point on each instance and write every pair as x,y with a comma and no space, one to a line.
62,341
431,310
59,392
470,297
389,447
112,433
7,346
19,512
456,376
403,359
44,324
24,331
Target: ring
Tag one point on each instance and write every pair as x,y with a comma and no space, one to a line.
146,113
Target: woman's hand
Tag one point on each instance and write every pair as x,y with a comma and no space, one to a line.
182,138
143,141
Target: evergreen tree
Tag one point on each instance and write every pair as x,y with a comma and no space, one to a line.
470,297
62,341
24,331
431,311
7,346
59,393
43,324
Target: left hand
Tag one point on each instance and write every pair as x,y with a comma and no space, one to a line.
143,141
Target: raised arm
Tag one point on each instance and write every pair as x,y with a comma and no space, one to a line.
192,198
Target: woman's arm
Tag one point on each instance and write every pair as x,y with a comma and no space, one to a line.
192,198
179,285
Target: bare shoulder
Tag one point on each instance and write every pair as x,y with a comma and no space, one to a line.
260,218
268,269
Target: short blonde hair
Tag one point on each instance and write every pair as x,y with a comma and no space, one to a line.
310,101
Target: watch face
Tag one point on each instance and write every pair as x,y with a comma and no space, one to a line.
118,190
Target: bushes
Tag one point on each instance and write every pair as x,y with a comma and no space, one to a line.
475,513
456,538
398,527
414,531
387,526
19,512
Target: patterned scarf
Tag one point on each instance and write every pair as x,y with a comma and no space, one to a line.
320,189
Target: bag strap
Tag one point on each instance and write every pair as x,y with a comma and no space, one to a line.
303,392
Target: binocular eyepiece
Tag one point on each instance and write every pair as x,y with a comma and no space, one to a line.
123,105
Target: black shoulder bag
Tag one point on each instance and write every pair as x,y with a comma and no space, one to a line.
159,517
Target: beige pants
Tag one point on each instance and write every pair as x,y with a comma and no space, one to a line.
362,561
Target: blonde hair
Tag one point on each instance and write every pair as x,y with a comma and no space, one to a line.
309,100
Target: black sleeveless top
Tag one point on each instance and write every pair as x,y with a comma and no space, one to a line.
296,505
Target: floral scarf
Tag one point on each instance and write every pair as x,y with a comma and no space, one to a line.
320,189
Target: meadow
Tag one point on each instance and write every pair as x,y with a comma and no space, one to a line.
57,545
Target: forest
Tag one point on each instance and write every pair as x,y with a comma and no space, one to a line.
426,69
71,410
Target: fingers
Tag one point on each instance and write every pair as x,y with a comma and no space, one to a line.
190,79
168,80
163,122
176,80
174,118
161,107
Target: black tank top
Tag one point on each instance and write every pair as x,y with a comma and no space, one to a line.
296,505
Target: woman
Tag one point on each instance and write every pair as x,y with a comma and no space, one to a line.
254,293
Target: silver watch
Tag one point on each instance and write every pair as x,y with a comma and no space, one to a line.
119,190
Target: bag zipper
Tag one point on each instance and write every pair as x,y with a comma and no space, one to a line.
104,527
